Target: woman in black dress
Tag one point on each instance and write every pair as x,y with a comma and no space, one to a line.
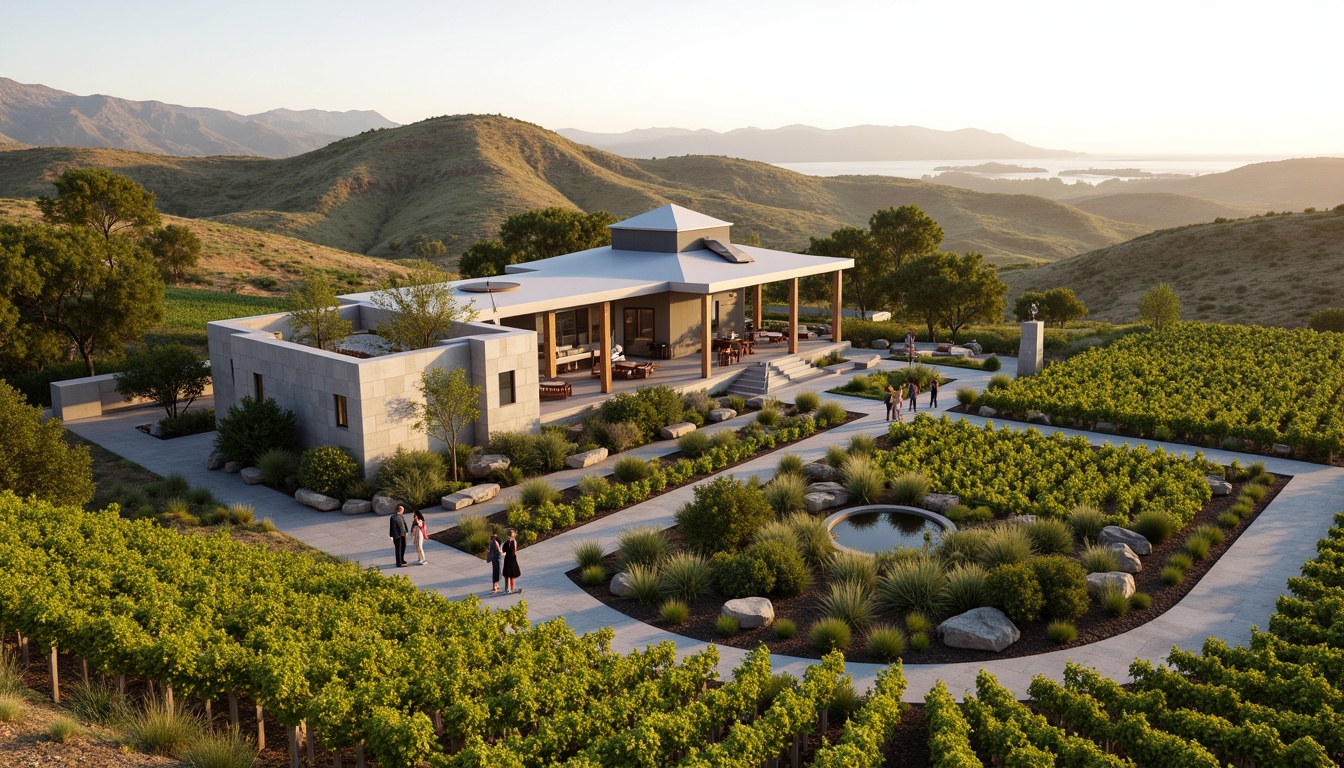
511,571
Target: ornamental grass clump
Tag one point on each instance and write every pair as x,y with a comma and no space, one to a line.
1086,522
831,413
845,700
886,642
785,629
862,444
674,611
62,729
999,381
967,587
1050,536
593,485
726,625
162,730
1096,558
221,750
11,708
97,703
1061,632
864,480
536,492
642,545
914,585
785,493
586,553
1113,601
1155,525
836,456
686,575
1254,492
909,488
1140,601
830,634
962,546
1229,520
630,469
919,641
789,464
1006,545
1210,532
853,568
850,603
1171,576
645,583
967,396
917,622
768,416
694,444
806,401
593,575
814,538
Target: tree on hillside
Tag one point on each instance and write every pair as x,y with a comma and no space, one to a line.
1057,306
425,249
1160,307
35,459
100,293
1331,319
971,291
176,249
900,233
100,200
539,234
166,374
921,287
313,314
451,402
421,307
867,279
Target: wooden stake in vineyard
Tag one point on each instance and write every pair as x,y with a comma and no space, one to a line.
233,711
55,678
261,731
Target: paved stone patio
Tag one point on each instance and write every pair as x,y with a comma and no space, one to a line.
1240,590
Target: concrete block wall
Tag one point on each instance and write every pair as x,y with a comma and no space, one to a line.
91,396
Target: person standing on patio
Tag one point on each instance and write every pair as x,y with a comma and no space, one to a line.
933,393
511,570
397,529
418,535
494,553
889,400
912,394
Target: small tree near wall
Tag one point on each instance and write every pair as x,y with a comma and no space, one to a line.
450,404
313,314
421,307
167,375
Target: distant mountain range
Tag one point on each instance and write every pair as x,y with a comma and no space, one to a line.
804,143
40,116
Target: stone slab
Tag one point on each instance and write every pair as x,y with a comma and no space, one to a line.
1114,534
586,459
215,460
356,507
674,431
252,475
318,501
722,414
981,629
485,464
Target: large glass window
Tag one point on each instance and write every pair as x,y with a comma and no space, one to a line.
571,327
638,325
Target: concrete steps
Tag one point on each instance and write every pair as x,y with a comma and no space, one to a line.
761,378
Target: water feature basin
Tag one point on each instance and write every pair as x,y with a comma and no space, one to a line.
882,527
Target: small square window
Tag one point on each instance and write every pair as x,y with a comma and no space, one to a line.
342,417
507,394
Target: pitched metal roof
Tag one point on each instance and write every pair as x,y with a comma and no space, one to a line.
670,218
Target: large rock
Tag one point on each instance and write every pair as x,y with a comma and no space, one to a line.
879,343
987,412
215,460
1218,485
674,431
485,464
821,473
980,629
1105,427
722,414
454,502
233,467
837,490
759,402
156,429
823,500
1098,583
1280,449
1114,534
252,476
939,502
750,612
586,459
1129,562
384,504
473,494
620,585
316,500
1038,417
356,507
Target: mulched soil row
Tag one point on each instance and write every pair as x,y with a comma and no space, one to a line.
453,537
1092,627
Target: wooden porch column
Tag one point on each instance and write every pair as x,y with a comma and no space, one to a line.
706,339
548,329
605,347
756,309
837,305
793,316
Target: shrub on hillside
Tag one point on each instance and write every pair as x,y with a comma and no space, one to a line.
725,515
520,447
648,408
1014,590
327,469
417,477
35,459
991,363
252,427
1000,381
694,445
1063,584
278,465
1329,319
768,568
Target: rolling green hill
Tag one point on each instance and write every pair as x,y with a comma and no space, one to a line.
1269,270
457,178
1159,210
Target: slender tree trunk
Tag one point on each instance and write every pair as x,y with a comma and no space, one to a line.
233,711
88,358
308,741
336,760
438,722
209,716
168,696
55,678
84,669
293,746
261,731
23,647
121,685
359,755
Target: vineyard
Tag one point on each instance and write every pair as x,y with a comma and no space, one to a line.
1016,472
371,663
1200,383
1277,703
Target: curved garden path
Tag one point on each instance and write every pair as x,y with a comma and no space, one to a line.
1239,591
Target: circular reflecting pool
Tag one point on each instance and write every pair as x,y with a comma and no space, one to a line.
881,527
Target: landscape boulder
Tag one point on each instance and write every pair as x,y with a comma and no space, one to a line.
233,467
758,402
1098,583
980,629
750,612
252,475
987,412
1218,485
316,500
939,502
1114,534
485,464
215,460
1037,417
356,507
156,429
620,585
384,504
473,494
821,473
674,431
864,363
879,343
454,502
722,414
822,496
586,459
1282,450
1129,562
1105,427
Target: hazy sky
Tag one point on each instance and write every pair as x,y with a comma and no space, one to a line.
1175,76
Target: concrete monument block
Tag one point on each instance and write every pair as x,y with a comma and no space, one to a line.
1031,352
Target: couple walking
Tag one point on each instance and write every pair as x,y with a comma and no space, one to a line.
508,553
895,399
398,530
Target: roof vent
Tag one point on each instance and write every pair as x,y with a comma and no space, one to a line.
728,252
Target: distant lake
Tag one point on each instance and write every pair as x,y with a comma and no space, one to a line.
918,169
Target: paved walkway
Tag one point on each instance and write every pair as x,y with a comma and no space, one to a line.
1240,590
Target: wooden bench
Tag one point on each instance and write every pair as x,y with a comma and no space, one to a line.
554,390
